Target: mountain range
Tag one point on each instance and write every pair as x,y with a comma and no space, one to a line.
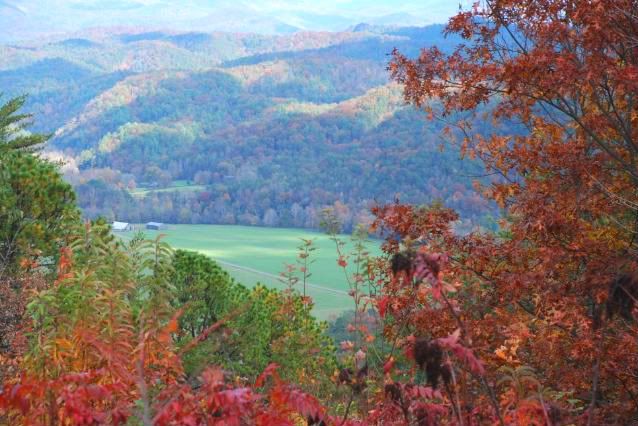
29,19
218,127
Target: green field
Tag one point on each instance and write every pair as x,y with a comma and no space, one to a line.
257,254
178,185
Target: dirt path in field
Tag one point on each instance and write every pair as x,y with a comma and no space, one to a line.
277,277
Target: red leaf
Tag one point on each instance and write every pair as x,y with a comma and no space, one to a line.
389,365
270,371
382,305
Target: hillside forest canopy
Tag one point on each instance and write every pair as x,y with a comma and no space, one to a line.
530,323
198,128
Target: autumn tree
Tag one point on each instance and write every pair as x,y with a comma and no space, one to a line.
567,72
104,348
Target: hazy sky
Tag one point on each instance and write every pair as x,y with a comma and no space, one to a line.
24,18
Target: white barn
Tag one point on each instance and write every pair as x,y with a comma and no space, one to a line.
121,226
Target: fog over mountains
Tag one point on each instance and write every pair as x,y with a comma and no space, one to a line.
28,19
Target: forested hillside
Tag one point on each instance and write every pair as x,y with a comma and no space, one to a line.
231,128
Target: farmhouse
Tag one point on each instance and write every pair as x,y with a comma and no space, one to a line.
121,226
156,226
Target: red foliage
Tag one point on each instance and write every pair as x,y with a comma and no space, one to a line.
534,295
452,344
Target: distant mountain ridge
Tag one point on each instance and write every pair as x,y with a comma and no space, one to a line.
200,127
33,19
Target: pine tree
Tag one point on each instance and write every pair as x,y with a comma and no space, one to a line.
13,128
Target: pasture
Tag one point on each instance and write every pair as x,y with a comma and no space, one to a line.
259,254
176,186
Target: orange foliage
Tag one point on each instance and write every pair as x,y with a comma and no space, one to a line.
566,70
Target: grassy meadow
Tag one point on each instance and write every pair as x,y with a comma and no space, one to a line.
258,254
176,186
